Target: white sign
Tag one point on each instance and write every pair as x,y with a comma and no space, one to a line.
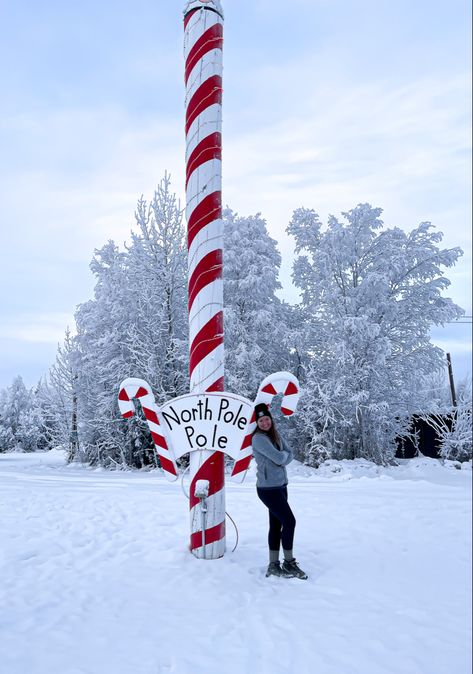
211,421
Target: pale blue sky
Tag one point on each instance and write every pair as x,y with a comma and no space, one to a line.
327,103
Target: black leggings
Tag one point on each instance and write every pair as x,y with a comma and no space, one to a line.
281,518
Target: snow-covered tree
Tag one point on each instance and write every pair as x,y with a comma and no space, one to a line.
157,270
454,430
21,421
255,318
57,398
30,434
7,437
434,392
136,325
370,296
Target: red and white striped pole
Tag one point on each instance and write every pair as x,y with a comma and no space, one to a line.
203,41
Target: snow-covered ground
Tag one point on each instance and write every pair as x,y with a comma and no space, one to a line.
95,576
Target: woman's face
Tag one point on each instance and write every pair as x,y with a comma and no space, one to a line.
265,423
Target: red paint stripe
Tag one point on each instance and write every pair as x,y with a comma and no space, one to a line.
286,411
123,395
290,389
206,340
218,385
209,148
167,465
141,392
247,441
209,269
211,470
269,388
209,93
188,17
253,418
207,211
151,415
158,440
211,39
212,535
241,465
128,415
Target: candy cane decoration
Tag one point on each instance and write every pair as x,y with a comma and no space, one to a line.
280,382
137,389
203,41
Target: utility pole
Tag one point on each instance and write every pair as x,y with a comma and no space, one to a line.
452,383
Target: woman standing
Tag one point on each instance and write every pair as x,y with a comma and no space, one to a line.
272,454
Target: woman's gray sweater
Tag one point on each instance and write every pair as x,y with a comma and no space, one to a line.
270,461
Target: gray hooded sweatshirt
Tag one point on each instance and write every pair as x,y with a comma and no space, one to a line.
270,461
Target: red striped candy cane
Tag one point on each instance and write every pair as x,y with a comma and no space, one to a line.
137,389
280,382
203,41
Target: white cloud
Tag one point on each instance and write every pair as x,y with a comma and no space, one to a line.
404,149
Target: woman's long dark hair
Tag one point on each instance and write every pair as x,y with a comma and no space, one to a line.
272,433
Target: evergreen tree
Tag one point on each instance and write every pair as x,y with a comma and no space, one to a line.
57,398
21,422
7,437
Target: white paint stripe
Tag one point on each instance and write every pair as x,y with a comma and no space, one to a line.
209,300
265,398
215,512
208,370
125,407
244,453
209,121
207,239
198,318
198,24
155,428
208,66
132,390
214,185
212,551
207,178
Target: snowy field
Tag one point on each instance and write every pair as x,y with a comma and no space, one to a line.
95,576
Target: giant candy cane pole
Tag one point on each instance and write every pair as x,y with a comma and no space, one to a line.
203,26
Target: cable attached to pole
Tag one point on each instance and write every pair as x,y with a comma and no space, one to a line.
236,529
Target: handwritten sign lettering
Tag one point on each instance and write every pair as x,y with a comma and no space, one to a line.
211,421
